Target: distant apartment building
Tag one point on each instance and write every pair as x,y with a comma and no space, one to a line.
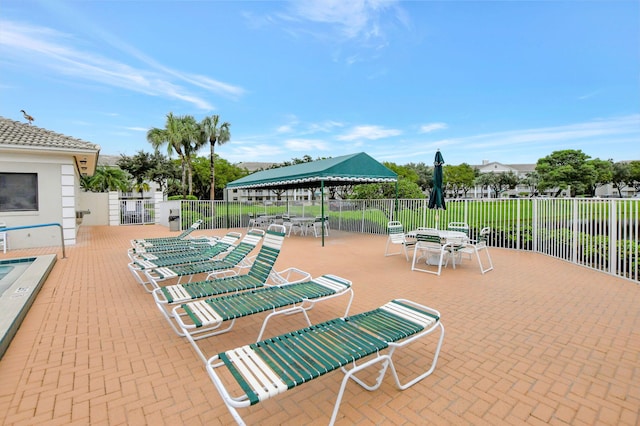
521,171
266,196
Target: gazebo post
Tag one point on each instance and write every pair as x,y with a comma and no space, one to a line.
322,209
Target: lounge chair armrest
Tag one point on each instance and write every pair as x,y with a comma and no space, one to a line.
221,274
288,276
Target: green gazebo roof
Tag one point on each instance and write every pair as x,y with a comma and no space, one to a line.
350,169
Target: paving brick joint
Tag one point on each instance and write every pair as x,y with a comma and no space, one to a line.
536,341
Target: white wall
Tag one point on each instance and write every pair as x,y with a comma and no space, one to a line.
52,206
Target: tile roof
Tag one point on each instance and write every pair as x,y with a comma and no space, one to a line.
19,134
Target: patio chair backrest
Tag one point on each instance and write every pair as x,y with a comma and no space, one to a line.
459,226
396,232
266,258
483,238
429,235
245,246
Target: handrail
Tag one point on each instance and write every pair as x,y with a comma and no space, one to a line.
42,225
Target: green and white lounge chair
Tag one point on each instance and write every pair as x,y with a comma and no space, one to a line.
181,245
148,242
261,273
253,373
181,250
203,318
236,258
141,263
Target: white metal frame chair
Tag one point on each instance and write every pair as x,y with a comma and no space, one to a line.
480,245
397,236
253,373
431,251
252,221
318,225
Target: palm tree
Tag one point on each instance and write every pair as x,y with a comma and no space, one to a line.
172,135
211,133
109,179
190,145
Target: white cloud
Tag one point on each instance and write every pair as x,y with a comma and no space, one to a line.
306,145
427,128
46,48
369,132
572,133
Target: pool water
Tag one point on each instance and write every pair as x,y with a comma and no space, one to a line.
4,270
11,270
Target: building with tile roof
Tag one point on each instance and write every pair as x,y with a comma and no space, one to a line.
40,174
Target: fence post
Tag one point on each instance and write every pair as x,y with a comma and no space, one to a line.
575,231
534,225
613,237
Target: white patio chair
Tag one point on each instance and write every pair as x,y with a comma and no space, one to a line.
431,252
252,221
286,222
475,247
318,225
397,236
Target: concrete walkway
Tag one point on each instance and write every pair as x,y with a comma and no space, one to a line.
536,341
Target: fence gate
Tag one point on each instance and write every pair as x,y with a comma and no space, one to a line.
137,211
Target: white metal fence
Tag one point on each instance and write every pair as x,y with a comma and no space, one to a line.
597,233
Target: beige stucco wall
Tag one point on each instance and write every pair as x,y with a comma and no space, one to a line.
57,181
98,204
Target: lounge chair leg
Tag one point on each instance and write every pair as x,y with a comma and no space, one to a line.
404,386
350,374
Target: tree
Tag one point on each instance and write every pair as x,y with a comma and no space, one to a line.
459,178
566,169
620,176
139,167
531,179
190,143
603,170
484,181
211,133
108,179
172,135
497,182
164,172
634,175
424,173
370,191
225,171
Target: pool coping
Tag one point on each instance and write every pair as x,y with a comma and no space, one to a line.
21,294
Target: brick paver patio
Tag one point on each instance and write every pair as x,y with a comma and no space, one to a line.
536,341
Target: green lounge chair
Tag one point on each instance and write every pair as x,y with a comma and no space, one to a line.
236,258
147,242
212,252
260,273
203,318
154,253
253,373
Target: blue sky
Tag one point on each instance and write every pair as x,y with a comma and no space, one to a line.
508,81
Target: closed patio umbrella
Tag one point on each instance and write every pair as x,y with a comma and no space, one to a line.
436,198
